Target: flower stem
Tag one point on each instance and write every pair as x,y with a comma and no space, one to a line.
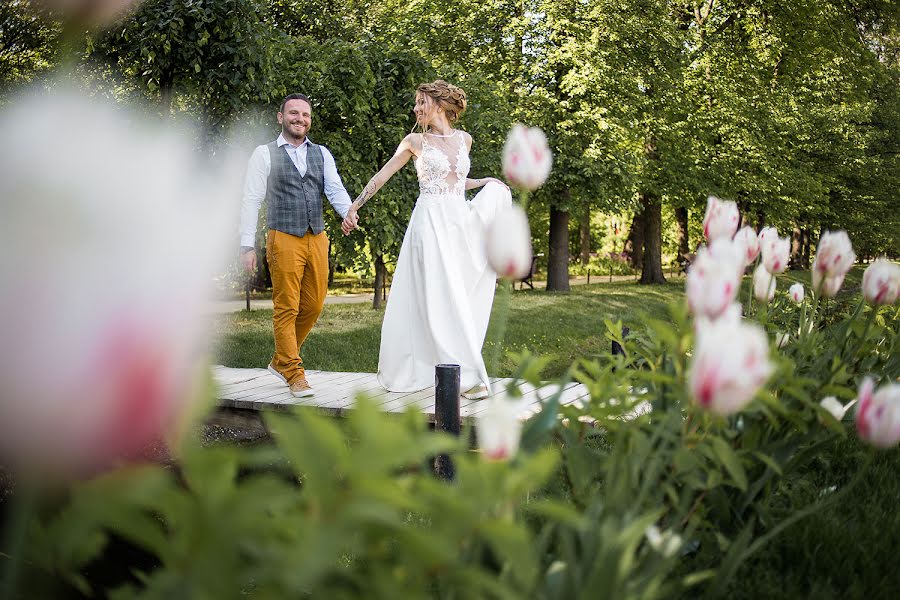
502,321
14,540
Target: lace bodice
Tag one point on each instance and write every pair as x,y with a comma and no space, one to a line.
443,165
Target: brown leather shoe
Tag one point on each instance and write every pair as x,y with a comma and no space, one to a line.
301,389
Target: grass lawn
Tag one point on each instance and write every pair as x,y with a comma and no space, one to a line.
564,326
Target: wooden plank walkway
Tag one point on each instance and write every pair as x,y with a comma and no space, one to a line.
257,389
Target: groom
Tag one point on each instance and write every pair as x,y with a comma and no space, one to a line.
291,174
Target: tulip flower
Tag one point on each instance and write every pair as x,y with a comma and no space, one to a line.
767,234
527,159
509,243
763,284
499,429
878,414
729,365
721,218
104,329
747,240
834,406
881,282
827,286
666,543
834,258
776,253
796,292
712,283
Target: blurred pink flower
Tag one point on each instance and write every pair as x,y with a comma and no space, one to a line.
499,429
878,414
104,325
721,218
763,284
767,233
509,243
747,240
730,364
881,282
712,281
776,252
834,258
797,293
527,159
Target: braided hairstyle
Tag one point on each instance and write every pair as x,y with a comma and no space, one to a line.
446,95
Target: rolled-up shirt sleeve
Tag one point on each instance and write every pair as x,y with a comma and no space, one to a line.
334,187
254,193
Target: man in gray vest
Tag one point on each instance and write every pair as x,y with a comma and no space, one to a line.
291,174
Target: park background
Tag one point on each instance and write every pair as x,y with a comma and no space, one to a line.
790,109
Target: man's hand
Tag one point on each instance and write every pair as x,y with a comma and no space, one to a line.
248,259
351,222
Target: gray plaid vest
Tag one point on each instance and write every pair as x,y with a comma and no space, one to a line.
294,203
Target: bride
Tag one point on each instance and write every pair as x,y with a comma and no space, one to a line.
443,288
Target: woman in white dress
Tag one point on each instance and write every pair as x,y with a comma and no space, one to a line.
443,288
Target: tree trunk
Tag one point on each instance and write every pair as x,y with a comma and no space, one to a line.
652,269
558,259
796,249
804,252
760,220
584,235
684,244
380,275
634,245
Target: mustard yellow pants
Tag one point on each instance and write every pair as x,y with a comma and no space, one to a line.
299,270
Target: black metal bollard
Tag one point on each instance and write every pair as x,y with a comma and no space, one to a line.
446,412
616,347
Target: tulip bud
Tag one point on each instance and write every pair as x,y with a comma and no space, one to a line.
135,237
763,284
747,240
509,243
878,414
776,252
767,234
499,429
834,257
527,159
721,218
796,292
881,282
833,406
729,365
713,280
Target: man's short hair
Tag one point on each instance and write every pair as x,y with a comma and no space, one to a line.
294,97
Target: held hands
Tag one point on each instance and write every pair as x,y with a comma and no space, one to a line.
351,221
248,259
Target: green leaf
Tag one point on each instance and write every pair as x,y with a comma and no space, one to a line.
730,460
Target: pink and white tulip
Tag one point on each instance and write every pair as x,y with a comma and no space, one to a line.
763,284
747,240
797,293
776,253
729,365
878,414
108,308
721,218
834,258
527,158
499,429
767,234
881,282
509,243
712,283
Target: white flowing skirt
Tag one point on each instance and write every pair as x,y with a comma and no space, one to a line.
441,293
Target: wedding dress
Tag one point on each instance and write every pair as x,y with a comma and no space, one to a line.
443,288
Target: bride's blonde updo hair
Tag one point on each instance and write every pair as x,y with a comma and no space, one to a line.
446,95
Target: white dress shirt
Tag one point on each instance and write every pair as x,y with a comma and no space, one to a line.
258,175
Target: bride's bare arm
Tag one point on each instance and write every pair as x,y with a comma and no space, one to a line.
401,157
